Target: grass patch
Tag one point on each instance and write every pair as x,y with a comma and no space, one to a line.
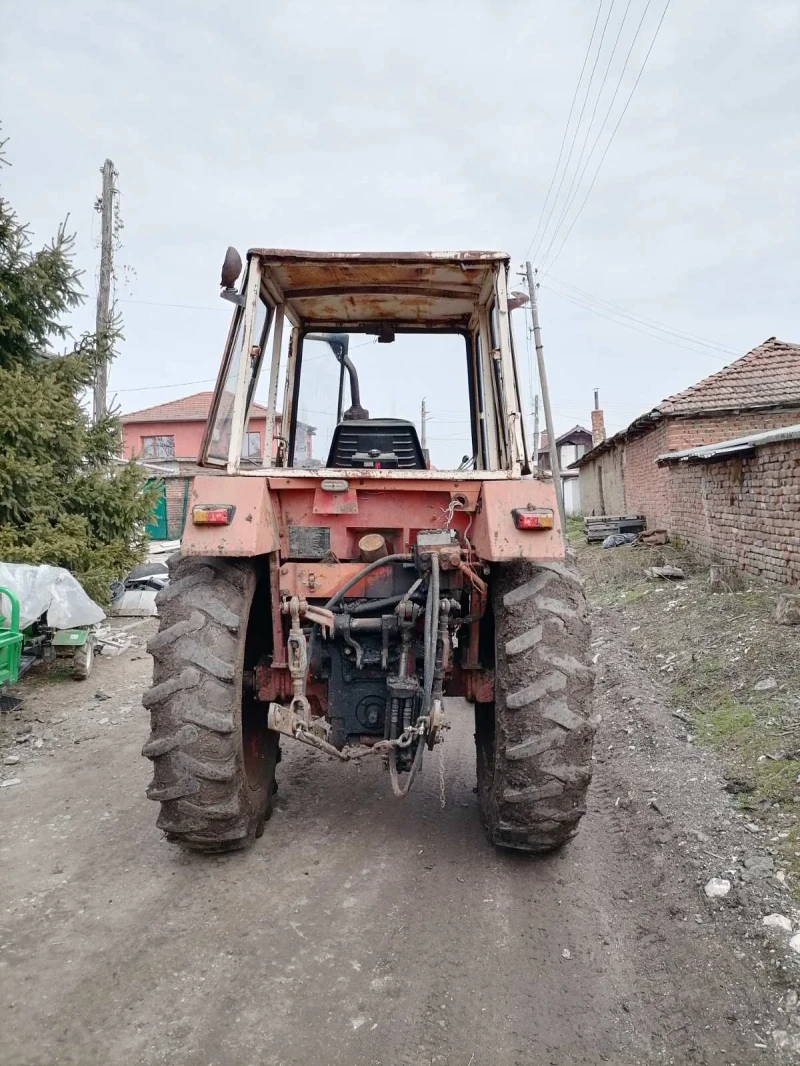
728,719
574,530
713,650
636,593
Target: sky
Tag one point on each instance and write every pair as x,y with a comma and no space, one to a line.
377,125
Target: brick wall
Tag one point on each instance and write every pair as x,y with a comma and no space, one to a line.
602,488
711,429
647,485
643,488
742,512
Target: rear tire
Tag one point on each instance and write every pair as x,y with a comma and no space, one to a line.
213,757
534,743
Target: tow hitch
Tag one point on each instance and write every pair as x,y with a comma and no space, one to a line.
296,720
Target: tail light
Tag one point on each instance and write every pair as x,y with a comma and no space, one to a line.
213,514
531,518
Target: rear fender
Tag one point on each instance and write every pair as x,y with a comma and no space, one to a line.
495,537
253,529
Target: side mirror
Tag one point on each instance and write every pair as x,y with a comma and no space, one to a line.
231,268
517,299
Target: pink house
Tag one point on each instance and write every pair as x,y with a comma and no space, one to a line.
174,430
169,435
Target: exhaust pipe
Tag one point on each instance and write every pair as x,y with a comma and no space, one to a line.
339,344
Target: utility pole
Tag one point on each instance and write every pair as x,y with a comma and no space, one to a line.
548,414
422,421
536,433
102,322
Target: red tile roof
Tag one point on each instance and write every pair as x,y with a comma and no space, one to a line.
192,408
768,376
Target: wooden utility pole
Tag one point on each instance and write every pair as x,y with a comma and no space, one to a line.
536,433
548,414
102,321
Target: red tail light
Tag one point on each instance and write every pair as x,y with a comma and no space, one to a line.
206,514
532,519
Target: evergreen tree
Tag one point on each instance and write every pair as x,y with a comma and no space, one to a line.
64,497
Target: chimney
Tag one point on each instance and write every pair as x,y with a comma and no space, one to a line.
598,423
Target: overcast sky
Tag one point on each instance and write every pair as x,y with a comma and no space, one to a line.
433,124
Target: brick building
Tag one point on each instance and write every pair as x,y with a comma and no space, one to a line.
169,436
759,392
738,503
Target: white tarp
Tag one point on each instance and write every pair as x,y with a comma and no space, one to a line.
51,590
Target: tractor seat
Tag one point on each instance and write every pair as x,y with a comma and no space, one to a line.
380,443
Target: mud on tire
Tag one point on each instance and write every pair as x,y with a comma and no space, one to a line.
213,757
534,743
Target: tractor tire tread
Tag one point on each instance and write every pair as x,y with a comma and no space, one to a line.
207,803
534,753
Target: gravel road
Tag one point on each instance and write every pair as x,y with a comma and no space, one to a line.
361,930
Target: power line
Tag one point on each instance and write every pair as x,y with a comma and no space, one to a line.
578,172
171,385
613,134
566,127
577,178
207,381
190,307
618,309
630,325
577,127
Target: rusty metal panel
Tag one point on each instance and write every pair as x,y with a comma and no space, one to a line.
396,509
253,529
477,686
496,538
298,255
321,580
411,288
345,502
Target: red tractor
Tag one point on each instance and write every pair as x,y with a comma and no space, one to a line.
339,605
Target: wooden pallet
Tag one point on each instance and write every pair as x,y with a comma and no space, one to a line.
598,527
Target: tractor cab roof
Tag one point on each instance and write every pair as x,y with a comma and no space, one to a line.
356,289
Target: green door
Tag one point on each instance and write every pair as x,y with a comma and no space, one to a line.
157,526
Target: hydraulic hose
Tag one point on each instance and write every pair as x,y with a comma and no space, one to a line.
337,597
381,605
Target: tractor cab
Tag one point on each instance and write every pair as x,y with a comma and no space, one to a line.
372,338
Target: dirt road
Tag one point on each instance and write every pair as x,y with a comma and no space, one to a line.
364,931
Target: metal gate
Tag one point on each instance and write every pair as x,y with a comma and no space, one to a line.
157,526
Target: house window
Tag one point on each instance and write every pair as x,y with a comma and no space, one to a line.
158,447
251,446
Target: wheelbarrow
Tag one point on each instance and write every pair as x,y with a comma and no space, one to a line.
11,639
